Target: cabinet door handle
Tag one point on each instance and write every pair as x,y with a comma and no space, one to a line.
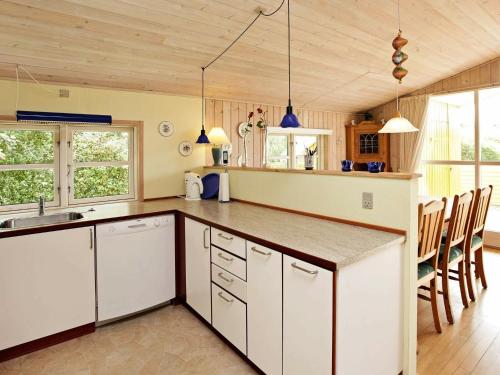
205,231
224,237
225,299
91,239
315,272
221,275
220,255
253,248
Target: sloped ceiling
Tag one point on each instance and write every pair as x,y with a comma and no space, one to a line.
341,49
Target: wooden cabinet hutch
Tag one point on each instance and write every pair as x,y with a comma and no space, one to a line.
364,144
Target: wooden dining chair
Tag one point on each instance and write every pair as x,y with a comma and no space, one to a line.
474,241
430,226
452,250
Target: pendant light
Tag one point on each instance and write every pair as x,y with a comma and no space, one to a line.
289,120
398,124
203,137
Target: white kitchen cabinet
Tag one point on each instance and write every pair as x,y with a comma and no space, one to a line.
198,294
47,284
229,317
264,305
307,318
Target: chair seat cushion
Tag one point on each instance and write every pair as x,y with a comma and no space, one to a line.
476,241
424,269
455,252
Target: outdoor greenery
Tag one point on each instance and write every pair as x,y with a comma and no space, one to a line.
100,181
488,153
100,146
26,147
26,186
29,147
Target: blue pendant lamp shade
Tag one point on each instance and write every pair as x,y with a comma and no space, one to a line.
289,120
203,137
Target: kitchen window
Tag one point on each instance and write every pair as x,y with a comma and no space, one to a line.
67,164
288,150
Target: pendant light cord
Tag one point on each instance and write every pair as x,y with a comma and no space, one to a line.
399,19
203,98
289,64
261,13
397,97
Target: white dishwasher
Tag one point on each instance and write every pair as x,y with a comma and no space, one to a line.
135,262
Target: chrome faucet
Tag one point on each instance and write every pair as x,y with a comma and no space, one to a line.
41,205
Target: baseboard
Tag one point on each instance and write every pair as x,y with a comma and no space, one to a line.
45,342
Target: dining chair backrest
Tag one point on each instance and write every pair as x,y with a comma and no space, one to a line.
430,227
459,219
482,200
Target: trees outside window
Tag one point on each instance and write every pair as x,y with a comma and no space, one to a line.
67,164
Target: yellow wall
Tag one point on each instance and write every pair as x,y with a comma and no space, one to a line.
163,165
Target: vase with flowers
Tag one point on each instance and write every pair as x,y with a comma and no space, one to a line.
262,124
246,129
311,152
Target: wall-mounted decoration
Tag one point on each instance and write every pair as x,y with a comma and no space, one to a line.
166,128
185,148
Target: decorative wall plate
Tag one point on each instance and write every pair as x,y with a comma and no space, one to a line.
242,128
185,148
166,128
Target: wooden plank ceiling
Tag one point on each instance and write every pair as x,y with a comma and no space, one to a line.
341,49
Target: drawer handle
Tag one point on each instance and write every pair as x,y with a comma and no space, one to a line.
253,248
225,258
225,299
205,231
294,265
224,237
221,275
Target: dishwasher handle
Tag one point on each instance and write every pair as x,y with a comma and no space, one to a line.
135,226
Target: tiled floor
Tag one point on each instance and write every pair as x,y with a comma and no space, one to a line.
166,341
472,344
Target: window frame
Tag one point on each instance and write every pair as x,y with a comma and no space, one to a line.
292,154
22,167
477,162
64,167
73,165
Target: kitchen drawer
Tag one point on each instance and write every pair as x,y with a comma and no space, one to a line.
229,317
229,242
229,262
229,282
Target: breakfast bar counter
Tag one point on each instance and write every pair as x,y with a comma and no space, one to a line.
325,242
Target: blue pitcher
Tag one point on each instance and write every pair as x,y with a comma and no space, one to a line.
347,165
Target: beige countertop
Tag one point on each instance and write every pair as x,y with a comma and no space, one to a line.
324,240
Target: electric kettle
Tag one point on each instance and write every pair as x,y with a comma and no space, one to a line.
194,186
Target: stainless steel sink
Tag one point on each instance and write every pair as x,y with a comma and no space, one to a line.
34,221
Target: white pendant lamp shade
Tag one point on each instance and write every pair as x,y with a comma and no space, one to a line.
217,136
398,124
